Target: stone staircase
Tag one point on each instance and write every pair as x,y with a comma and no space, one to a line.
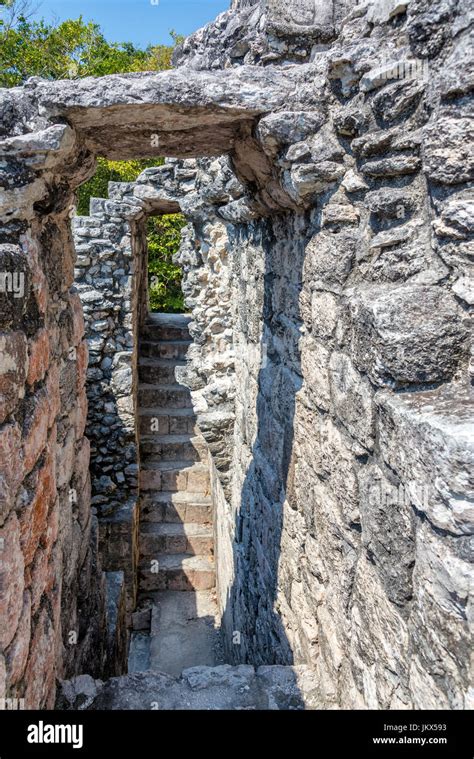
176,621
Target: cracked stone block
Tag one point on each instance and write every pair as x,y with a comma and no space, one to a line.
12,574
411,335
13,371
352,399
426,439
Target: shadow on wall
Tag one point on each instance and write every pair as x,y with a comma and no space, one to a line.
270,379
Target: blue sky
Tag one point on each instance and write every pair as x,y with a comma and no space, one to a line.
138,21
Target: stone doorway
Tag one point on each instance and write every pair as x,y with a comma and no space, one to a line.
151,464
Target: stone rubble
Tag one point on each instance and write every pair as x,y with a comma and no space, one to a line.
198,688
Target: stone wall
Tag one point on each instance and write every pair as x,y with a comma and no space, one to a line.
351,515
110,278
263,32
346,494
52,600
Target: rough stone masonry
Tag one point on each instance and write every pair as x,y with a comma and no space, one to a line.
322,154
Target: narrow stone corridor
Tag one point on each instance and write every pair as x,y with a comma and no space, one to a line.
311,510
176,622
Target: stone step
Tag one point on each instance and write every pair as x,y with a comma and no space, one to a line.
154,371
173,448
166,421
175,475
170,349
167,327
184,630
176,507
174,396
158,538
156,333
177,572
139,652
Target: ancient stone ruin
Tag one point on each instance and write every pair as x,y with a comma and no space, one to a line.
264,503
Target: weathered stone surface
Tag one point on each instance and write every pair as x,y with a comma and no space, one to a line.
442,588
224,687
38,351
427,439
35,431
382,11
409,335
12,570
17,652
352,399
12,465
449,163
387,522
326,265
13,371
40,671
34,503
14,284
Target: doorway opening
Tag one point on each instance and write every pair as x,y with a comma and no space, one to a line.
149,462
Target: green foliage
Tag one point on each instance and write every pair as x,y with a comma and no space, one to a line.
164,236
74,49
69,50
110,171
163,233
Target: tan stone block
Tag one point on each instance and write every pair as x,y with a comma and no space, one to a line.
40,670
17,652
174,480
38,351
13,370
150,480
198,482
34,514
11,579
35,431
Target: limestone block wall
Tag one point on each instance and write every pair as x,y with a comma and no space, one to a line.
52,597
349,500
263,32
330,368
351,513
110,277
52,592
204,259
